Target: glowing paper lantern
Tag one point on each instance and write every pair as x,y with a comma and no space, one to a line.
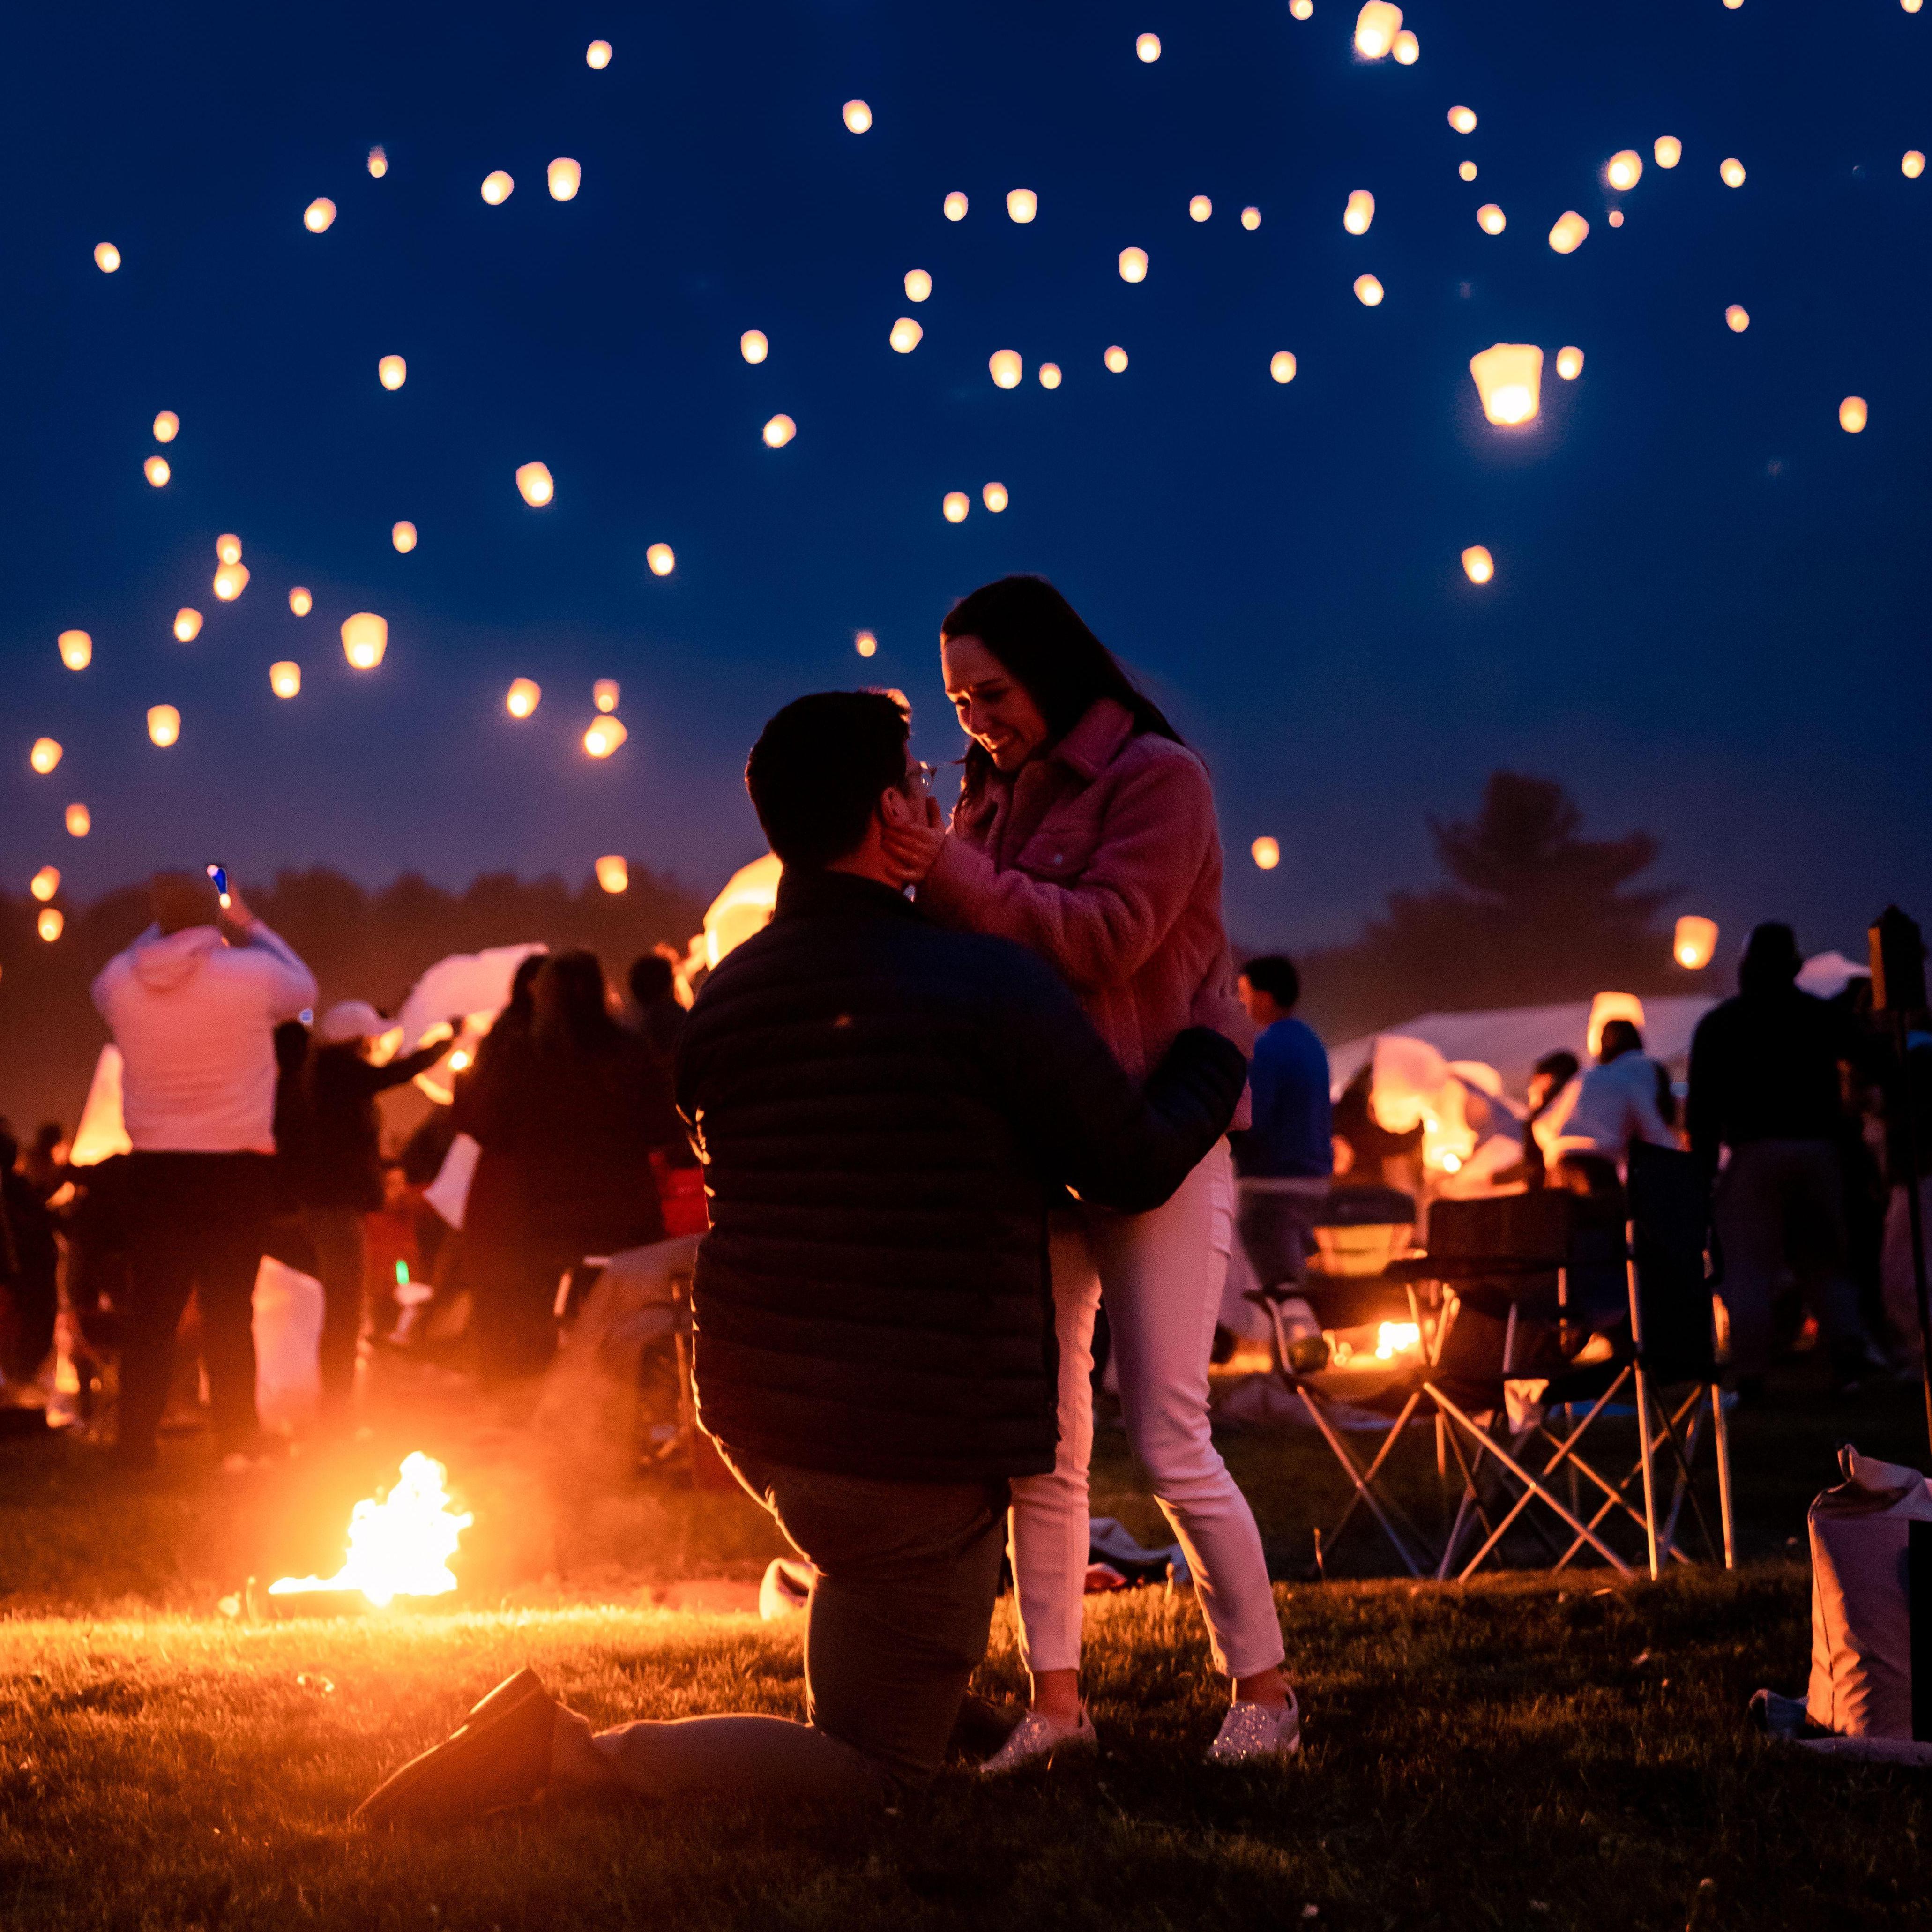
1007,368
598,54
1133,265
1615,217
230,581
49,924
534,484
379,163
523,697
80,820
300,601
1694,942
1737,318
1301,10
1251,219
76,649
1732,170
955,206
1266,852
1477,564
753,346
45,883
1569,363
107,257
285,678
319,214
613,874
604,694
1490,219
1116,359
1376,26
1359,212
1408,49
1466,170
918,285
187,624
167,426
45,755
1853,415
1049,375
779,431
1200,208
1912,6
662,559
906,335
164,724
365,637
1913,165
1148,47
858,116
1462,119
1281,365
156,470
1509,379
404,536
497,187
1022,205
1567,237
392,372
1667,151
1625,169
564,177
865,644
956,505
994,497
604,737
1368,291
228,548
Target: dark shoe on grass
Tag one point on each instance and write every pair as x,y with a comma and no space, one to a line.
499,1757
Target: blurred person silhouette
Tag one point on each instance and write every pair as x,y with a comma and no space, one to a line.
29,1269
660,1015
1586,1133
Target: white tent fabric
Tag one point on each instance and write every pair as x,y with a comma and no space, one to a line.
102,1132
742,908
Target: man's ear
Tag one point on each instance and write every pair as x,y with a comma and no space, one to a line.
895,807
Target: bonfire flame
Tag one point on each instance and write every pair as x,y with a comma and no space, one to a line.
400,1545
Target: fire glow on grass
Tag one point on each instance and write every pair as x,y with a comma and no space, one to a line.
400,1545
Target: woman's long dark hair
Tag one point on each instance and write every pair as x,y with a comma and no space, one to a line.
573,1013
1040,640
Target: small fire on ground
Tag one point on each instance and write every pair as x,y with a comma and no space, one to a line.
400,1545
1392,1339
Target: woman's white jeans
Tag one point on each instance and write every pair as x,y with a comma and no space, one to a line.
1161,1273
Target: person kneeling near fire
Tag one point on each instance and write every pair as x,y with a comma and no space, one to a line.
885,1111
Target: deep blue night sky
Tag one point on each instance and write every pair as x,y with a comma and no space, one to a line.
1709,612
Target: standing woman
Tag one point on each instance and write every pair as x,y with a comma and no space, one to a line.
1085,830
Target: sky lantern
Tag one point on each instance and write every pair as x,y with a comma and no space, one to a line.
1006,367
285,678
1376,26
1913,165
523,697
1462,119
1852,415
858,116
379,162
45,755
1368,291
164,724
45,883
1478,566
1732,170
1301,10
365,637
955,506
1569,362
228,548
1509,379
1148,47
564,177
156,470
604,736
1281,365
1694,942
1022,205
605,694
404,536
1490,219
76,649
49,924
1737,318
1251,219
1049,375
187,624
497,187
1200,208
753,346
1465,170
918,285
230,581
1615,217
80,820
779,431
392,372
167,426
300,601
534,484
1408,49
1359,212
662,559
107,257
906,335
319,214
1266,853
1133,265
598,54
1567,237
994,497
865,644
1625,169
613,874
1116,359
1667,151
955,206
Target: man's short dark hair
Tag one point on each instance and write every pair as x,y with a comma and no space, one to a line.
652,979
818,768
1277,977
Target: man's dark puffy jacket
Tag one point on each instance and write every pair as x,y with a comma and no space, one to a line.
885,1111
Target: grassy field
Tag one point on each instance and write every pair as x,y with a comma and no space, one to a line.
1527,1751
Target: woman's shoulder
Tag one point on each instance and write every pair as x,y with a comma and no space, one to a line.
1148,759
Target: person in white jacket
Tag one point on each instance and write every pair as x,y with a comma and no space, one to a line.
192,1005
1586,1134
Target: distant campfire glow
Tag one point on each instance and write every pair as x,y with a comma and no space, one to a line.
399,1545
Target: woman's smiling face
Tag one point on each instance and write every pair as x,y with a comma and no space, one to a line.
995,710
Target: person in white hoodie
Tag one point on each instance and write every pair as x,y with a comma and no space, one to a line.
1587,1131
192,1005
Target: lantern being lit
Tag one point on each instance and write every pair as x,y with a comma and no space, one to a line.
404,536
613,874
167,426
955,204
1695,941
80,820
564,177
857,116
1116,359
365,637
1509,379
1022,205
1737,318
1049,375
1625,169
523,697
779,431
1133,265
1006,367
1569,363
230,581
1462,119
392,372
164,724
605,694
994,497
49,924
598,54
497,187
107,257
45,883
1732,170
661,558
156,470
534,484
753,346
1200,208
1478,566
918,285
1359,212
604,737
1853,415
1266,853
1148,47
1567,237
956,506
906,335
1251,219
1376,26
300,601
45,755
1368,291
1490,219
319,214
187,624
76,649
379,163
285,678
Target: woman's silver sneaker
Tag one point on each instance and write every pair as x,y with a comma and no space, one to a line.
1250,1731
1037,1738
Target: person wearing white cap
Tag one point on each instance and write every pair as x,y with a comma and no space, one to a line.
339,1172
